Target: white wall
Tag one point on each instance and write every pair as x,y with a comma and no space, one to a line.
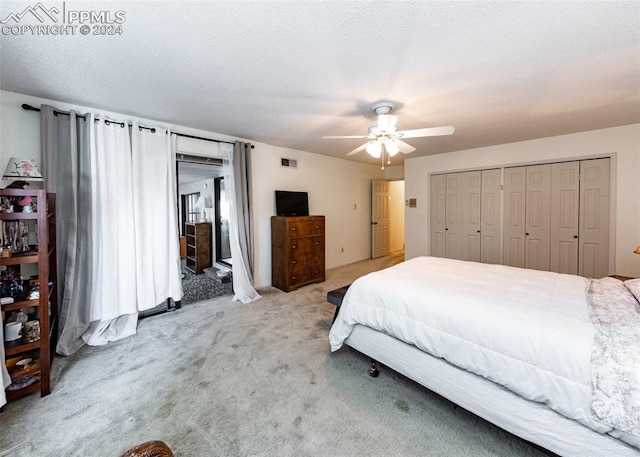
338,189
206,189
20,129
620,143
394,173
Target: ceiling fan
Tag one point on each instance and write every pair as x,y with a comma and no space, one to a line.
384,135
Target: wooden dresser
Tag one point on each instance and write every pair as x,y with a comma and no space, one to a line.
297,251
198,246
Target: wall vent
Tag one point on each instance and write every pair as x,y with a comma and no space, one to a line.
291,163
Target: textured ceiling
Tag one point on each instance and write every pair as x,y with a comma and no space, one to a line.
288,73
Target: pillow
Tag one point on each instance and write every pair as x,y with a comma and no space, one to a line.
634,287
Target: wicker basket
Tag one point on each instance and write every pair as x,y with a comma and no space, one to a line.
149,449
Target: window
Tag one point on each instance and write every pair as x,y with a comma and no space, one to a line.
189,211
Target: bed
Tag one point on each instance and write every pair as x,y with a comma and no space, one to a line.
552,358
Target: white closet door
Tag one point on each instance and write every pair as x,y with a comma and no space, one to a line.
565,190
514,216
490,217
593,253
437,212
471,196
538,218
454,224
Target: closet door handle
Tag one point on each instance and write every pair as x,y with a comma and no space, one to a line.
575,236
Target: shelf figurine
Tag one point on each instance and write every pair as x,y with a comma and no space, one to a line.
5,205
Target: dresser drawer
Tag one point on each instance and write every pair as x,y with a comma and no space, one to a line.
305,272
306,245
306,227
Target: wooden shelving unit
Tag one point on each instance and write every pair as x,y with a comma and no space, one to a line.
45,308
198,246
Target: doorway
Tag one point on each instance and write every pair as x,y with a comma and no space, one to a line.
387,217
202,208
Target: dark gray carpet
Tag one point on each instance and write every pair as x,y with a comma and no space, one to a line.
219,378
203,286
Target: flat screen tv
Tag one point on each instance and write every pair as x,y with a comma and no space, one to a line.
292,203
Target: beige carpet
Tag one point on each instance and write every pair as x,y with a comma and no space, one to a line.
220,378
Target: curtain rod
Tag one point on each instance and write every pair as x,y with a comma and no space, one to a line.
28,107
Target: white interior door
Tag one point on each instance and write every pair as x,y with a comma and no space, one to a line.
437,215
490,217
453,216
565,190
538,217
470,208
380,234
593,252
514,216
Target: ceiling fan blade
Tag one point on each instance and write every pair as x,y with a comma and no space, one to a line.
429,131
343,137
405,148
358,149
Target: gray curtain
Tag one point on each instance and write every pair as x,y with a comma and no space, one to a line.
66,172
242,181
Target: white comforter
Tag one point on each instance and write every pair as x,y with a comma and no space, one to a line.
524,329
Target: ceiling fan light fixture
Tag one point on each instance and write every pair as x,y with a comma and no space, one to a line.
384,137
387,123
374,148
392,147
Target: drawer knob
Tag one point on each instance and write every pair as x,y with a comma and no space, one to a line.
294,246
293,228
293,262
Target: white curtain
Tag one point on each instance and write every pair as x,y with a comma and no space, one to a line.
118,237
156,222
113,307
242,287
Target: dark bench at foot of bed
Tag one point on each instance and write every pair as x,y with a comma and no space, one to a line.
335,297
